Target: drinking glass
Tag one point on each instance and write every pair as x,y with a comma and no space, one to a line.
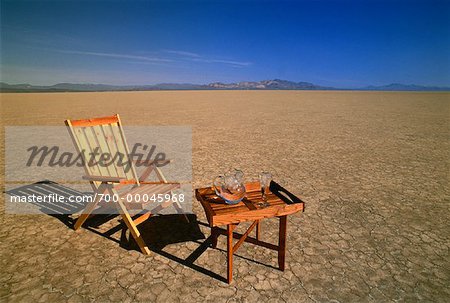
264,180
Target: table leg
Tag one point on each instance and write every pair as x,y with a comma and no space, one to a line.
282,243
214,235
230,228
258,229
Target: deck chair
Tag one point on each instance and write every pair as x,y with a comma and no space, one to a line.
106,136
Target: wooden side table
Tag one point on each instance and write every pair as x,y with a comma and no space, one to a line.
282,203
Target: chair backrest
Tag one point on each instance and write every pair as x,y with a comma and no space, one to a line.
103,140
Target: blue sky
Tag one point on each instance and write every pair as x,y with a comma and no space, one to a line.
335,43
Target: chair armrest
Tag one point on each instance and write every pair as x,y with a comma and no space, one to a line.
104,179
150,166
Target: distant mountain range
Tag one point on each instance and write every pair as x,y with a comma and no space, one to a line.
88,87
406,87
269,84
275,84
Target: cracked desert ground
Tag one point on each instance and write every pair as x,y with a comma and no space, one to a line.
372,167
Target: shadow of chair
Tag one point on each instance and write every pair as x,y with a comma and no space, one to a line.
45,188
160,230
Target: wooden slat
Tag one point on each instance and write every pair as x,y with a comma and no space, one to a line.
140,189
124,140
94,121
144,189
95,146
121,148
247,204
252,186
151,189
104,149
221,206
85,149
110,140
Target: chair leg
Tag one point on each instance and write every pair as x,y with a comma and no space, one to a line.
177,206
133,229
88,210
81,219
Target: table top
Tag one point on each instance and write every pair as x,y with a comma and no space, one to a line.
281,202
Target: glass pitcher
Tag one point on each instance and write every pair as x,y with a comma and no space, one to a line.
230,186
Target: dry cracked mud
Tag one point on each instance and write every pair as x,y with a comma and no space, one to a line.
372,167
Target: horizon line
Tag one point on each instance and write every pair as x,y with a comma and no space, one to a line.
235,82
